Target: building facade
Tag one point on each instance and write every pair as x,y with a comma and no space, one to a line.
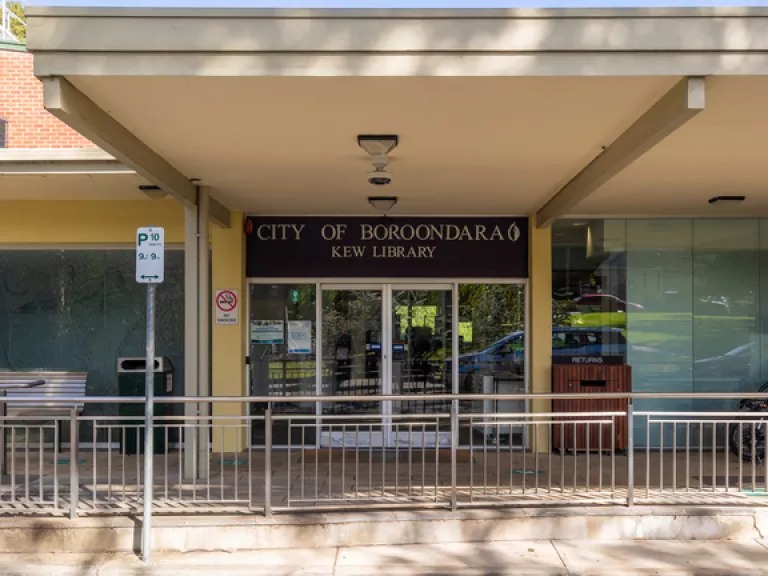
565,184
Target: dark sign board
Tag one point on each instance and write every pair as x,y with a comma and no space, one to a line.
340,247
612,360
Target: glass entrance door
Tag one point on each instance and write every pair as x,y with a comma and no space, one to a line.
352,364
355,340
384,340
422,339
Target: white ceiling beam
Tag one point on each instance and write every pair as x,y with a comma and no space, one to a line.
75,109
683,101
219,213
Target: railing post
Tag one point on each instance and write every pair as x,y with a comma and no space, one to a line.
74,480
454,446
630,453
268,462
3,456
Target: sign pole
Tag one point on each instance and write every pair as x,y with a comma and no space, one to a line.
149,449
150,270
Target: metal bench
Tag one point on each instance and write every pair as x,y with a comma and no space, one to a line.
15,385
57,385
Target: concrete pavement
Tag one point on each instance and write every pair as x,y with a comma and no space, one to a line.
542,557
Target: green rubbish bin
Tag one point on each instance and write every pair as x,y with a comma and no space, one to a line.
131,382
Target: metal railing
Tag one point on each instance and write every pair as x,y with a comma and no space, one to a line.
312,460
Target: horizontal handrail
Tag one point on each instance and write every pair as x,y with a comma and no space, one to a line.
252,462
709,413
385,397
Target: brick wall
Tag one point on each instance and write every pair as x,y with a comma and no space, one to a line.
21,105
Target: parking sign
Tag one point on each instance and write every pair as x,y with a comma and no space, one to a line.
150,255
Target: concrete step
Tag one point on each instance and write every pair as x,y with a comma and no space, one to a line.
532,557
374,528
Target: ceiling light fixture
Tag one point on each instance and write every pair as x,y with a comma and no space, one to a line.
152,191
726,199
378,147
382,203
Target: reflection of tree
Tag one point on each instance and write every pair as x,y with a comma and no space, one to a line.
351,314
560,316
494,311
713,275
78,310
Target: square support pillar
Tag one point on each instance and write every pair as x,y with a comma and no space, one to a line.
229,340
196,334
204,333
191,332
540,322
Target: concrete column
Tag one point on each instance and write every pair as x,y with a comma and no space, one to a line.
204,323
191,329
229,341
540,321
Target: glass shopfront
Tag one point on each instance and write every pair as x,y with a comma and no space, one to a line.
684,302
78,310
419,336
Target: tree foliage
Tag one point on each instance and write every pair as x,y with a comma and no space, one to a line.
18,29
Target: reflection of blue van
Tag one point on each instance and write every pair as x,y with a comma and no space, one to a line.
566,341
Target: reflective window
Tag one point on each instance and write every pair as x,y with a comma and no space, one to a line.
684,301
79,310
282,352
492,354
589,288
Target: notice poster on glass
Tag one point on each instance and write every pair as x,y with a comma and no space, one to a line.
267,331
299,337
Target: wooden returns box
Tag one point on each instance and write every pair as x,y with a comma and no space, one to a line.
590,379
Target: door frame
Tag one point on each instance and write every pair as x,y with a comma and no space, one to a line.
387,437
386,285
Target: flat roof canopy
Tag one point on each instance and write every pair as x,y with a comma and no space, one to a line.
67,174
611,113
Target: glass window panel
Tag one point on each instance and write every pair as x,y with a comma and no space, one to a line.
660,335
726,352
79,310
763,303
589,301
283,354
422,342
492,353
352,348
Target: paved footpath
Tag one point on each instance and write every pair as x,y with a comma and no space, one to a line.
541,557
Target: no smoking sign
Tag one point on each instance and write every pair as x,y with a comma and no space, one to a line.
227,304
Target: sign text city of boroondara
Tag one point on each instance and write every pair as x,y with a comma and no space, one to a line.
391,247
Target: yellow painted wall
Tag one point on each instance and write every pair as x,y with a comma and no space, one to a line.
540,322
87,221
228,344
